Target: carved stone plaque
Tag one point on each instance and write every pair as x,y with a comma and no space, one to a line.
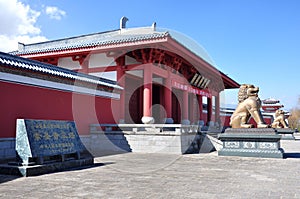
40,138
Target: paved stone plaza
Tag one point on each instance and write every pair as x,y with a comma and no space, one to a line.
137,175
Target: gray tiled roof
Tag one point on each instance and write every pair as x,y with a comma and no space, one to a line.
119,36
126,36
90,40
31,65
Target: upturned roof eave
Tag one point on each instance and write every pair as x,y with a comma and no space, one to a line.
181,48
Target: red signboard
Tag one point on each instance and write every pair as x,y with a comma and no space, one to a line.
191,89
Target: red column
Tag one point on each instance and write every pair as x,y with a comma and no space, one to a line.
185,105
168,100
200,106
209,109
85,66
147,94
121,82
84,63
217,108
191,107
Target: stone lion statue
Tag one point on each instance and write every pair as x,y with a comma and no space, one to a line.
279,120
249,106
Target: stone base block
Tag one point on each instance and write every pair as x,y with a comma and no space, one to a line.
169,121
251,153
148,120
34,170
286,133
251,143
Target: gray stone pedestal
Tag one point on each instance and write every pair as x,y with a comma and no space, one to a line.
256,142
286,133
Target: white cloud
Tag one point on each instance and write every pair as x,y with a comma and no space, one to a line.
18,24
10,43
54,12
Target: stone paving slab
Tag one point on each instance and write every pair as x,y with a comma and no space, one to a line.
137,175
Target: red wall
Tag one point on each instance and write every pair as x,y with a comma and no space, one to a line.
28,102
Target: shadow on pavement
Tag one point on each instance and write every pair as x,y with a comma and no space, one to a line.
87,167
6,178
291,155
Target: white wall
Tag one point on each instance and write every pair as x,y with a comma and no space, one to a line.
67,62
112,75
101,60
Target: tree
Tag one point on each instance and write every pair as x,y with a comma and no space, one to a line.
294,118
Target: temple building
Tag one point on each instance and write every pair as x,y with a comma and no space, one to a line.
142,75
164,79
271,105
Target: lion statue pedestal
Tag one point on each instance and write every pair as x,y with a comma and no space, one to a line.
244,140
286,133
251,142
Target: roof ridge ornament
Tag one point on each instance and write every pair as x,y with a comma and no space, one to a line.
21,46
123,21
153,26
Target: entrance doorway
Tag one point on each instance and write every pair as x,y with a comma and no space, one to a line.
133,101
176,105
158,111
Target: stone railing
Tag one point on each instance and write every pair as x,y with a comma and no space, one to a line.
135,128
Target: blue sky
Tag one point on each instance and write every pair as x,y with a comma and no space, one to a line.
253,41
